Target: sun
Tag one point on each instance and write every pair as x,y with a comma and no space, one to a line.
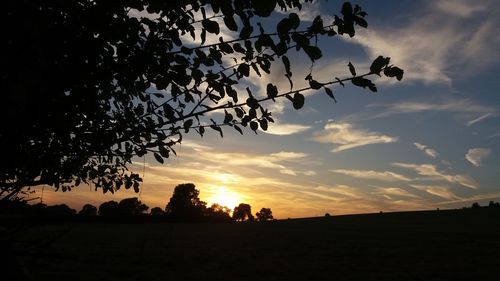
225,197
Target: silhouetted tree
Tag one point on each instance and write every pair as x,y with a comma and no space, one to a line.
157,212
265,214
132,207
493,204
59,210
476,205
218,213
243,212
88,210
109,209
88,85
184,205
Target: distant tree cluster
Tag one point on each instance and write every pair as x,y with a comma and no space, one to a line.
184,205
491,204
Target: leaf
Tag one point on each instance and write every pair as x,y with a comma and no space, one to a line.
352,69
252,103
340,82
263,124
363,82
202,130
361,22
218,129
378,64
158,158
187,125
272,91
254,126
203,36
298,101
163,151
211,26
394,71
330,94
286,62
230,23
315,84
244,70
238,129
313,52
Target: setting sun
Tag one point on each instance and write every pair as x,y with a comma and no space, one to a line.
224,197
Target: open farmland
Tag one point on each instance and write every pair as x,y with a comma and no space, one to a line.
434,245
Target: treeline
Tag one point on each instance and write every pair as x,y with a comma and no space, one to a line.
184,205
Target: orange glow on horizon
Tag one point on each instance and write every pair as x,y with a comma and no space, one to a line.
224,197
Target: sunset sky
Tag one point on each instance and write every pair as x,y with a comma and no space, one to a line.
430,141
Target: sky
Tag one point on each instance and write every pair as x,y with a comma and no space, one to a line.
429,141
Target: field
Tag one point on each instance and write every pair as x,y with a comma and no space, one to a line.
435,245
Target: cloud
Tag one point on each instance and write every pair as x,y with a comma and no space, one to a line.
430,172
454,105
460,7
440,191
286,129
417,45
429,151
476,155
395,191
346,136
478,119
369,174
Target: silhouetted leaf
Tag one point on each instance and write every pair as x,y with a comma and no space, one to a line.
244,70
158,158
313,52
211,26
352,69
230,23
298,101
187,124
254,126
330,93
272,91
394,71
238,129
315,84
378,64
286,63
218,129
363,82
263,124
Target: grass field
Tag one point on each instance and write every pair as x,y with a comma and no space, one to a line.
437,245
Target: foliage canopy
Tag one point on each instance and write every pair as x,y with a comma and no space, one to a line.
89,85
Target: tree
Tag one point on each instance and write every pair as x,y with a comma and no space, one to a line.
157,212
243,212
218,213
265,214
59,210
109,209
88,210
184,205
475,205
91,84
132,207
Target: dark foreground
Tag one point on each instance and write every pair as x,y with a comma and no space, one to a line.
438,245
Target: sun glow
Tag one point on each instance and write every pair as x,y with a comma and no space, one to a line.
224,197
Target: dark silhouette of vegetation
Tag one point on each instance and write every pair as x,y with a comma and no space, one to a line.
493,204
109,209
132,207
88,210
184,205
243,212
218,213
88,85
475,205
157,212
265,214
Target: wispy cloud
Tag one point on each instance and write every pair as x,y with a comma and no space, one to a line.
440,191
346,136
286,129
471,33
430,172
476,155
395,191
427,150
478,119
452,105
370,174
